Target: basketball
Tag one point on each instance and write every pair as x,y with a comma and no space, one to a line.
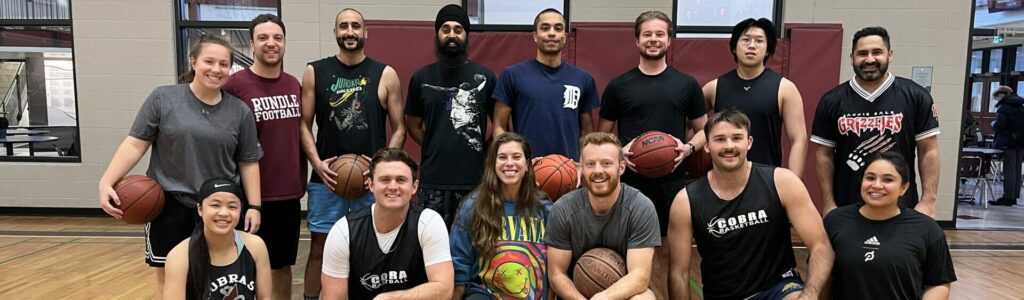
597,270
653,154
142,199
556,175
697,165
350,182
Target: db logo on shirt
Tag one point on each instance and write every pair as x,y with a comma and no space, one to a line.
572,97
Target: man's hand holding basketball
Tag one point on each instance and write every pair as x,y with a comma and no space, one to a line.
107,194
324,170
626,155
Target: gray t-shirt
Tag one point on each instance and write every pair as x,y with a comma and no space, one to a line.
631,223
193,141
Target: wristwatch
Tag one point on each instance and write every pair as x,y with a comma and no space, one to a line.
258,208
692,147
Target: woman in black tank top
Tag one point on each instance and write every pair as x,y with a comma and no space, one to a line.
218,262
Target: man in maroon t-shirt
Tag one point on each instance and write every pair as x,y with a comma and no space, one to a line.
273,97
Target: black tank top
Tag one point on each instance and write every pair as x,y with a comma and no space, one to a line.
373,272
349,115
744,244
236,280
759,99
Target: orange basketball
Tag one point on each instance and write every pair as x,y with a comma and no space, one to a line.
142,199
653,154
697,165
596,270
556,175
350,182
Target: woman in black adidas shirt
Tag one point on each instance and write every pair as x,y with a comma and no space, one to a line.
218,262
884,251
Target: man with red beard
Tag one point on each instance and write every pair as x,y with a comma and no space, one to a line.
350,96
740,216
273,96
875,111
605,214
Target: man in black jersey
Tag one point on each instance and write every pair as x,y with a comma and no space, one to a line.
655,96
446,113
350,97
740,216
767,98
875,112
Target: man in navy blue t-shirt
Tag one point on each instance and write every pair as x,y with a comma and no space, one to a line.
549,100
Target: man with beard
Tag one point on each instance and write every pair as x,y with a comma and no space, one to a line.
875,112
350,96
767,98
273,97
740,216
548,100
605,214
453,95
655,96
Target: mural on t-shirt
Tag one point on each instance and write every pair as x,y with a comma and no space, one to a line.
519,266
347,103
885,124
463,109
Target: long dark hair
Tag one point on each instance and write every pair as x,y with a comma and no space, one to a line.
488,210
898,162
197,47
198,265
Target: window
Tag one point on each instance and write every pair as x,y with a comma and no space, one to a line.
976,90
503,15
228,19
995,61
38,98
1018,64
703,16
992,101
976,62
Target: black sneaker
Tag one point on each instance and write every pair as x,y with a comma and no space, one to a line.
1003,202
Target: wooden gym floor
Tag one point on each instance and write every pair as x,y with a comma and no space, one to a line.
100,258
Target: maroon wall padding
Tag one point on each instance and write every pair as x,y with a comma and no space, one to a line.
809,55
814,65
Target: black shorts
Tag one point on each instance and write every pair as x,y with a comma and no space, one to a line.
279,229
174,224
790,283
661,191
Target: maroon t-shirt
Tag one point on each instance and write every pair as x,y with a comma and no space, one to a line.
275,104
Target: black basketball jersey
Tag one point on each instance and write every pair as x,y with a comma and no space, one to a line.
759,99
744,243
349,114
858,124
236,281
373,272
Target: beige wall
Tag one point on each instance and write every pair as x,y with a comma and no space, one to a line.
123,49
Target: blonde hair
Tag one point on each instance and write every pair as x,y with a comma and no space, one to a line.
600,138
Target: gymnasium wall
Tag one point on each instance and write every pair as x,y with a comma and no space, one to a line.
125,48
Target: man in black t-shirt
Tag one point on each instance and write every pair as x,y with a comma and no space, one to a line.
452,96
874,112
740,217
655,96
767,98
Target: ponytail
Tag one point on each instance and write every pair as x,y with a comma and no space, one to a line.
198,266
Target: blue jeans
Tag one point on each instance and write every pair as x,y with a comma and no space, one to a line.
324,208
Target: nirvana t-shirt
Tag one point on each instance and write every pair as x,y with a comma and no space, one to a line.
631,223
889,259
349,114
193,141
275,105
454,110
518,268
640,103
858,124
546,104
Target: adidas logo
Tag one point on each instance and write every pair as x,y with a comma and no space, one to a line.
872,241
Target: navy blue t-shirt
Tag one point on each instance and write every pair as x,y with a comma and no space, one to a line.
546,103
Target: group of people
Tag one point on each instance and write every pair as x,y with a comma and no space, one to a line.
228,151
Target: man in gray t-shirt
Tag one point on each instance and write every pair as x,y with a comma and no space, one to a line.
605,214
